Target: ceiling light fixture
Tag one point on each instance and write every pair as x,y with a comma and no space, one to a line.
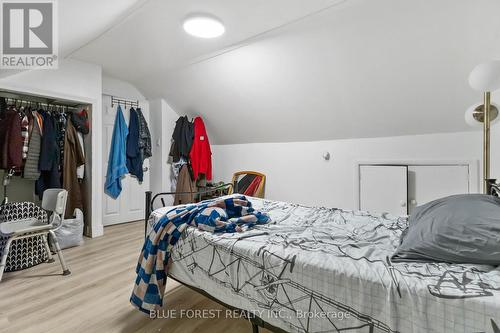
203,26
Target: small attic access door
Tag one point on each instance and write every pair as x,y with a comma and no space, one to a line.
384,188
129,206
399,188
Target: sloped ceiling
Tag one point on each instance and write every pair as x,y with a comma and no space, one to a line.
152,42
81,22
362,68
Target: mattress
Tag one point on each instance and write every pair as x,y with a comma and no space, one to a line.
320,269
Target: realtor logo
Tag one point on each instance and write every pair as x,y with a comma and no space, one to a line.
29,34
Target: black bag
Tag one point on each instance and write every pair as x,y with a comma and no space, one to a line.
81,121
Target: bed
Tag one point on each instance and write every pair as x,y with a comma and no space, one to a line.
321,269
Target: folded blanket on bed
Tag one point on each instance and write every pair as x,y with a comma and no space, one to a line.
228,215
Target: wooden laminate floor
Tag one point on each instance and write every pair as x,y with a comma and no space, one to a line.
95,297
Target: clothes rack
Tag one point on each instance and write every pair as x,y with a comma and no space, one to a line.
54,159
49,106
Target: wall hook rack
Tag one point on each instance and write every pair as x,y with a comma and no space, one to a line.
124,102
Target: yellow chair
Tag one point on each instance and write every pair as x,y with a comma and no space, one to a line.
250,183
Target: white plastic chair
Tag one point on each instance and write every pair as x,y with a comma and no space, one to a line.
54,201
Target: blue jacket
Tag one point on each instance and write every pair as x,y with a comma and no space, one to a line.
117,166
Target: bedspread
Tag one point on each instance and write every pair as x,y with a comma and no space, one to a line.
328,270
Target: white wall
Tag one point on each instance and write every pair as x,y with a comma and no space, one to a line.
120,89
296,171
73,80
77,81
162,126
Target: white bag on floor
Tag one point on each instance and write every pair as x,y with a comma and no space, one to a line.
71,232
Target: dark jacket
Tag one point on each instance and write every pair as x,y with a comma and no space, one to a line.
144,136
182,139
48,163
11,141
134,159
3,104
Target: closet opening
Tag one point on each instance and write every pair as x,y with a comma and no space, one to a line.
28,180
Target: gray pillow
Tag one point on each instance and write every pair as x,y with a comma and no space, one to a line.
457,229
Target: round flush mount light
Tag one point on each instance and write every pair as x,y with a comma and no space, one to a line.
204,26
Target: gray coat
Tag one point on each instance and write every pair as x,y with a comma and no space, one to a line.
31,170
144,136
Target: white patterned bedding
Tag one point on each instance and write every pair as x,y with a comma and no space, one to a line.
328,270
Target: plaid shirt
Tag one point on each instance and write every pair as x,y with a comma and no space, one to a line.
25,134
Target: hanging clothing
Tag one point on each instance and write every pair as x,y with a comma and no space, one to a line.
3,104
31,166
134,159
174,175
60,135
182,139
49,161
184,184
50,152
73,158
31,123
80,121
25,124
201,155
117,162
39,120
144,136
80,171
11,140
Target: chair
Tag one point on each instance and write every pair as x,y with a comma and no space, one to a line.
53,201
250,183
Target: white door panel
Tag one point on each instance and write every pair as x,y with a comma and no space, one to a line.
129,206
112,207
135,205
383,188
430,182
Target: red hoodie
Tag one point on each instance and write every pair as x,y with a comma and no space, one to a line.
200,154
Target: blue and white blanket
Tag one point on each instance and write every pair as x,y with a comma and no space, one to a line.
234,214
